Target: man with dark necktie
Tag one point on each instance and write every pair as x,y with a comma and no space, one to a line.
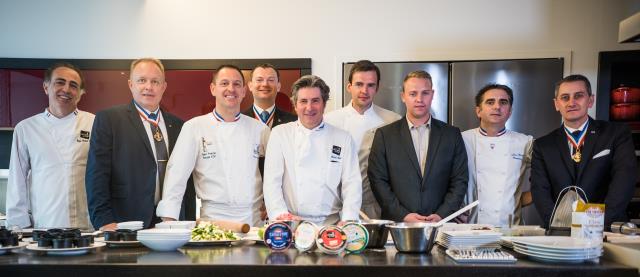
129,151
595,155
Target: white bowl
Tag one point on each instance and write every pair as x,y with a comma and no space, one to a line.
164,244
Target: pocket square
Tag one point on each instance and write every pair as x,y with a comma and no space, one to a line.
602,154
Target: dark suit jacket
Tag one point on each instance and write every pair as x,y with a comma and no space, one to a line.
608,179
279,117
121,168
395,177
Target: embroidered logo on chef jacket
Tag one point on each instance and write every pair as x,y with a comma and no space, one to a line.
335,154
517,156
206,154
84,136
256,150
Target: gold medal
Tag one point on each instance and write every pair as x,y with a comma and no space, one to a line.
577,156
157,135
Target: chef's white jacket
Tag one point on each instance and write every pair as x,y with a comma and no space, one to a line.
362,128
312,173
223,157
46,172
499,170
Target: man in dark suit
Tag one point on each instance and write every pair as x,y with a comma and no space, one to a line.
128,153
595,155
264,85
418,164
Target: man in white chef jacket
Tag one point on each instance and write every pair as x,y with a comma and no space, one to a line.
49,157
499,160
361,118
222,149
311,168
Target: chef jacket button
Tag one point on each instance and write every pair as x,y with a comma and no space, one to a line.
503,173
499,191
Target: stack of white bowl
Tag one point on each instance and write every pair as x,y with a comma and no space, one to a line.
164,239
131,225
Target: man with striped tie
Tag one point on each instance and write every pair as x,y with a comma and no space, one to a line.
222,149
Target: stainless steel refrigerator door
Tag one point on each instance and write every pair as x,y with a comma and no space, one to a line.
532,82
391,77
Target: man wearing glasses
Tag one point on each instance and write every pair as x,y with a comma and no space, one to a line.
595,155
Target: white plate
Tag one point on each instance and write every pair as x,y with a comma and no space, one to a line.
560,255
257,239
548,258
556,242
210,242
129,243
472,233
65,251
6,249
556,251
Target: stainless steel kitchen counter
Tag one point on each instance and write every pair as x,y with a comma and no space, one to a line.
256,260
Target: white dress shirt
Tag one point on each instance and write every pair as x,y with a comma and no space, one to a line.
46,171
499,169
362,128
312,173
420,138
223,157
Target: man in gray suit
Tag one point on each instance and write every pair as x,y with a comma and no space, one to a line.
418,164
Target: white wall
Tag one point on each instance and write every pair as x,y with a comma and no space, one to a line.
328,31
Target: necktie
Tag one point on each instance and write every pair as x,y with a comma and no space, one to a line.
264,116
162,157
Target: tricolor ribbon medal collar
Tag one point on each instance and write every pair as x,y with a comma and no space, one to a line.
577,142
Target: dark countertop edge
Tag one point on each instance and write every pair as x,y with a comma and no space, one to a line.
159,270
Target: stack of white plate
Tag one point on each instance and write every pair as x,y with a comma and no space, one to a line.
558,249
131,225
506,242
472,239
164,239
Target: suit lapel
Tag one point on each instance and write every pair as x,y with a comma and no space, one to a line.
434,140
563,145
276,118
134,117
405,136
172,130
589,145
